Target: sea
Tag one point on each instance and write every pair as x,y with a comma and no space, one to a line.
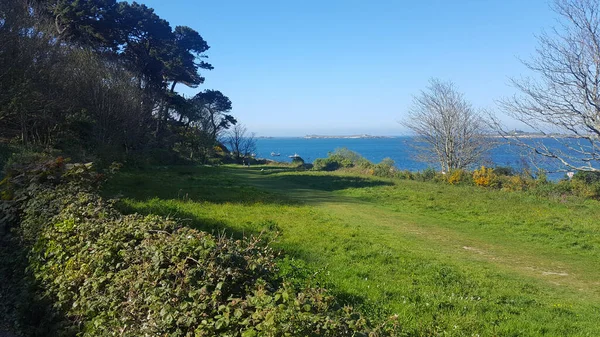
399,149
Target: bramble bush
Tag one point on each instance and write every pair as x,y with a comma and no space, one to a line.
106,274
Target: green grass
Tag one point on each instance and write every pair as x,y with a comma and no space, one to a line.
448,260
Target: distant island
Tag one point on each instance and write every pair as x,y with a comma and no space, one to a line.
344,137
525,134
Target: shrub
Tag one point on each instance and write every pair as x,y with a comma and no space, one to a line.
298,161
587,177
485,177
386,168
341,158
559,189
331,163
406,174
541,177
517,183
350,156
427,174
585,189
455,177
503,171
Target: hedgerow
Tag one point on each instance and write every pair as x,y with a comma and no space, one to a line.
102,273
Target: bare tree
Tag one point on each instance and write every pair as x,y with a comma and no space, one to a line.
241,143
449,131
562,100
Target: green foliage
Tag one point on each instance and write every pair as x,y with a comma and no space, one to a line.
340,159
587,177
147,275
458,176
107,91
343,158
325,164
447,260
386,168
298,161
6,151
427,174
331,163
406,174
503,171
587,190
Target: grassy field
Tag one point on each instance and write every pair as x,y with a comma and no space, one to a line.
448,260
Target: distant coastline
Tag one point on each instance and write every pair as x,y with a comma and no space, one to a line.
530,135
364,136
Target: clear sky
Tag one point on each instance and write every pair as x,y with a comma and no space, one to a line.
344,67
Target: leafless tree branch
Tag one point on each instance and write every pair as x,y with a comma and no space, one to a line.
449,131
562,101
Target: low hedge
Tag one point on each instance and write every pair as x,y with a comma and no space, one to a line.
108,274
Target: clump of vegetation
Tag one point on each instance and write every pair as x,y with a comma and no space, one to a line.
298,161
339,159
386,168
351,161
147,275
484,177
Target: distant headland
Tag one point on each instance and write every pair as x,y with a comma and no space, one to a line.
345,137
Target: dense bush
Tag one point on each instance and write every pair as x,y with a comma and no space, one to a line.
585,189
330,163
298,161
587,177
354,162
458,176
386,168
134,275
485,177
427,174
503,171
339,159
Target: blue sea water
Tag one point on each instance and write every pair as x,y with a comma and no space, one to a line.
373,149
376,149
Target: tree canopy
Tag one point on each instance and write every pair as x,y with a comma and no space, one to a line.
102,74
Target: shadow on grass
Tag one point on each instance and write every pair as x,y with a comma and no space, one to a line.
209,184
259,184
331,183
191,220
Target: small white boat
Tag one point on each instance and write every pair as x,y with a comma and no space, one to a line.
295,156
273,154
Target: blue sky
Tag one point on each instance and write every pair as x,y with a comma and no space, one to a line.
344,67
